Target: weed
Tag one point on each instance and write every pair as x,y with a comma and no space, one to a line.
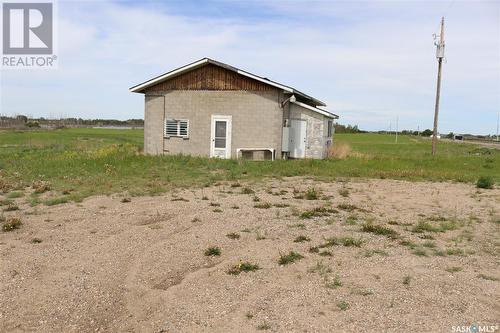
36,241
488,277
326,253
420,252
301,238
11,207
14,195
255,198
204,197
243,267
247,190
215,204
429,244
406,280
12,223
213,251
453,269
180,199
486,182
379,230
289,258
217,210
235,207
317,212
40,186
347,207
455,251
264,326
408,244
263,205
233,235
370,253
126,199
336,283
56,201
343,305
311,194
235,185
344,192
248,315
351,220
196,219
281,205
314,249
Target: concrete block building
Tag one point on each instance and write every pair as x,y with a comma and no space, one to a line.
208,108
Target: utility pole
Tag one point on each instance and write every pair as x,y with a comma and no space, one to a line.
397,121
439,56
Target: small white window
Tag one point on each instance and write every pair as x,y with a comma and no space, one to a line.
175,127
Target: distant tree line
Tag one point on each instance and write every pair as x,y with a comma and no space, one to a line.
22,121
339,128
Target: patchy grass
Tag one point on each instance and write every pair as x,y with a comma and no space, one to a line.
14,195
317,212
335,283
56,201
379,230
103,161
289,258
345,241
263,205
301,239
243,267
453,269
213,251
420,252
347,207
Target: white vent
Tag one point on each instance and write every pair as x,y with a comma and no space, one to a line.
175,127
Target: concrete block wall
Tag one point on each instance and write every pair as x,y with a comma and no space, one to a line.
316,131
256,120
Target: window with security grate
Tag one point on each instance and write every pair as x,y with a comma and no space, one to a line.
175,127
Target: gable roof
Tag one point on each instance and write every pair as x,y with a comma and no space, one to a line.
181,70
317,110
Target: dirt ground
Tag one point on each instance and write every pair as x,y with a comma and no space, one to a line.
104,265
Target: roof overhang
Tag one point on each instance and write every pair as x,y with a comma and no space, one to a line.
317,110
181,70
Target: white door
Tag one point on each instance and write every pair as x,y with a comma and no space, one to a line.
220,145
298,138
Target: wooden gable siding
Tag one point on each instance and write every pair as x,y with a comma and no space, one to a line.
210,77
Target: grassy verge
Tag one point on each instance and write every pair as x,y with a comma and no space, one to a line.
84,162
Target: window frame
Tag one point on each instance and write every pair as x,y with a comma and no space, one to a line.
329,128
178,131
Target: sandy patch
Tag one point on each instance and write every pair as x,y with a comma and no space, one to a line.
104,265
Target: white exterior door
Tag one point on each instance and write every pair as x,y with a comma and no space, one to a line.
297,138
220,143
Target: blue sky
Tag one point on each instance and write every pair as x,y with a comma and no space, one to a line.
370,61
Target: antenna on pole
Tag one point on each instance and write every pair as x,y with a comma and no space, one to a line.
397,123
439,55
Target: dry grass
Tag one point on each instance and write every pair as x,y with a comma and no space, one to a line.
339,151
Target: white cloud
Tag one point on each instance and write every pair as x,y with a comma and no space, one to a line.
370,61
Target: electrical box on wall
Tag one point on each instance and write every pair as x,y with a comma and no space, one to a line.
285,141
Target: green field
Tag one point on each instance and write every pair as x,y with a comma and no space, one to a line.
83,162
